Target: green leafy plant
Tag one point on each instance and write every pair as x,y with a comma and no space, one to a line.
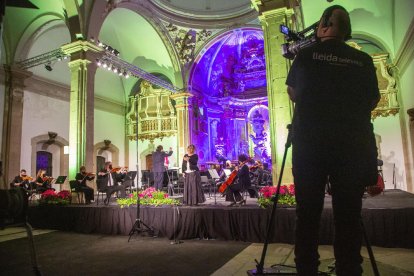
149,196
286,196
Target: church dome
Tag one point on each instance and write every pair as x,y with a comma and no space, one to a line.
231,64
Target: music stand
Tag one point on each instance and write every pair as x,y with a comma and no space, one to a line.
60,180
214,175
131,176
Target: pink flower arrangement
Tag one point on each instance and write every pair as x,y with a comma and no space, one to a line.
286,195
149,196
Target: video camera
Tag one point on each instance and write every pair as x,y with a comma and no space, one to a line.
297,40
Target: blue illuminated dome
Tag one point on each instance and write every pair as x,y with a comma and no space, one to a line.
233,63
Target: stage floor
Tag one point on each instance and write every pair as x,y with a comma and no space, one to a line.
388,219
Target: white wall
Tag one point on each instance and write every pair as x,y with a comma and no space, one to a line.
391,151
110,126
375,19
41,114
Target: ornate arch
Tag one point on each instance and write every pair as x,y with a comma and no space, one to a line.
45,139
105,145
35,27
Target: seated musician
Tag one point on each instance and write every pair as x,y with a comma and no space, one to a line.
123,177
109,178
22,180
257,171
241,183
82,177
43,182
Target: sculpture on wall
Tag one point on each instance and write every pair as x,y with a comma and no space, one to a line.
259,138
220,150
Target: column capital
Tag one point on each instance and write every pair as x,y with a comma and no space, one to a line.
263,6
182,99
80,46
82,50
180,95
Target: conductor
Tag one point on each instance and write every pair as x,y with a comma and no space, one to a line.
158,167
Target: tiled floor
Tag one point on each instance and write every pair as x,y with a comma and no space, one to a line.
390,261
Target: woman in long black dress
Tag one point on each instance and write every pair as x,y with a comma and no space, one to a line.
193,194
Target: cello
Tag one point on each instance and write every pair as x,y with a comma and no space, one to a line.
228,182
231,179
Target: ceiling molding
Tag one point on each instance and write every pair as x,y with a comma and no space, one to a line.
205,22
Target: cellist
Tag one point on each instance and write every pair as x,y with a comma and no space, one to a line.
241,183
82,177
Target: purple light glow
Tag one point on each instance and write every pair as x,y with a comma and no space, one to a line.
229,77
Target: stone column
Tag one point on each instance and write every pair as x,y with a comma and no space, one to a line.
184,125
273,13
12,123
81,125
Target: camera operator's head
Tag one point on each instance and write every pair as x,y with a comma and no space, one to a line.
334,24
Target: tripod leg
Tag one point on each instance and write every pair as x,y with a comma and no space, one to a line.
32,249
369,248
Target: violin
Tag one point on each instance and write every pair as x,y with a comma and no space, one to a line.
47,178
117,169
88,173
27,178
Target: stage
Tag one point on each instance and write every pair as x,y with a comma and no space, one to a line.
388,220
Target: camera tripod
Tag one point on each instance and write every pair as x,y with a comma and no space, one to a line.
139,226
285,269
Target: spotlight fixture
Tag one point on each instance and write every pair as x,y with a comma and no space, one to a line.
48,66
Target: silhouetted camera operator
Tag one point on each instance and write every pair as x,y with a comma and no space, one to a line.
334,87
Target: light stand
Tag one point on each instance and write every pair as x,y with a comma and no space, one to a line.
139,226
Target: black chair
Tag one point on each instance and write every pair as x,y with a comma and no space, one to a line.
74,189
206,184
101,189
129,185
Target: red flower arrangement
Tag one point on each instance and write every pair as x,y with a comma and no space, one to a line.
51,197
286,195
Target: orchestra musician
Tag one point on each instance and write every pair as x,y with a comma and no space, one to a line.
108,181
158,167
81,177
22,180
43,182
193,194
241,183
